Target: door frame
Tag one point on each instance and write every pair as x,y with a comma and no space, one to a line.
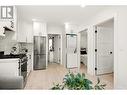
79,40
96,47
91,28
60,46
115,46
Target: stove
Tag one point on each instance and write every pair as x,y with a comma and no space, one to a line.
23,67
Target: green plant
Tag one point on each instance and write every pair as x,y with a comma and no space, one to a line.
78,82
99,86
57,87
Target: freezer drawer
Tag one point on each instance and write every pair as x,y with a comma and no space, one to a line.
39,61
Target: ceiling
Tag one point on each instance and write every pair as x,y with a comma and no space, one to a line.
58,14
108,23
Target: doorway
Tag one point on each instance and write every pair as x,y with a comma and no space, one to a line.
83,49
104,48
54,48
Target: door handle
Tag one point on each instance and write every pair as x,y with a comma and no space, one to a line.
110,52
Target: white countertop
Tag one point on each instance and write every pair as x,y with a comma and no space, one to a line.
9,59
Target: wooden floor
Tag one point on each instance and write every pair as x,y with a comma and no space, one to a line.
44,79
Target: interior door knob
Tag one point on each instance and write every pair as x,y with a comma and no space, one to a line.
110,52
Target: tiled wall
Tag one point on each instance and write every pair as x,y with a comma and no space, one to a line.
6,43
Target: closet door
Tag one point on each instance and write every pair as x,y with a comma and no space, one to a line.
104,50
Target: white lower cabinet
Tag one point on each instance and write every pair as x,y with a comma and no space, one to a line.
9,67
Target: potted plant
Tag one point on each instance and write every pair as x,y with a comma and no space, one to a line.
78,81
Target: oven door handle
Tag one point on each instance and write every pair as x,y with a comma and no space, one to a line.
19,65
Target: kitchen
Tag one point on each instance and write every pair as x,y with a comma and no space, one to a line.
24,47
18,43
15,54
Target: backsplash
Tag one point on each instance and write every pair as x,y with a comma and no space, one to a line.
6,43
25,46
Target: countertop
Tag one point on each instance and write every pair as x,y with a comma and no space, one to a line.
9,60
10,56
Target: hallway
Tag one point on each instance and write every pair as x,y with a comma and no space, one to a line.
43,79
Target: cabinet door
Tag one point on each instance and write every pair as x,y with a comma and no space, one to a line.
30,36
21,37
25,33
43,29
21,32
9,67
39,29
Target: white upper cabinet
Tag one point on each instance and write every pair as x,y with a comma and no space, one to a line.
5,25
28,29
39,28
21,33
1,29
29,37
25,32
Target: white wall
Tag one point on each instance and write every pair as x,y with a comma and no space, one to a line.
83,40
120,47
63,53
54,29
121,57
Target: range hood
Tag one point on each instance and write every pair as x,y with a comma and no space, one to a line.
4,29
7,28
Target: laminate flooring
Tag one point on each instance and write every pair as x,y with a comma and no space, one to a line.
44,79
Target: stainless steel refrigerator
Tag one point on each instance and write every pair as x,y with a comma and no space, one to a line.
39,52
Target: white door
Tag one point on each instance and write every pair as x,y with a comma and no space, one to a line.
104,53
72,58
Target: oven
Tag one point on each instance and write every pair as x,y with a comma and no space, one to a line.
23,68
